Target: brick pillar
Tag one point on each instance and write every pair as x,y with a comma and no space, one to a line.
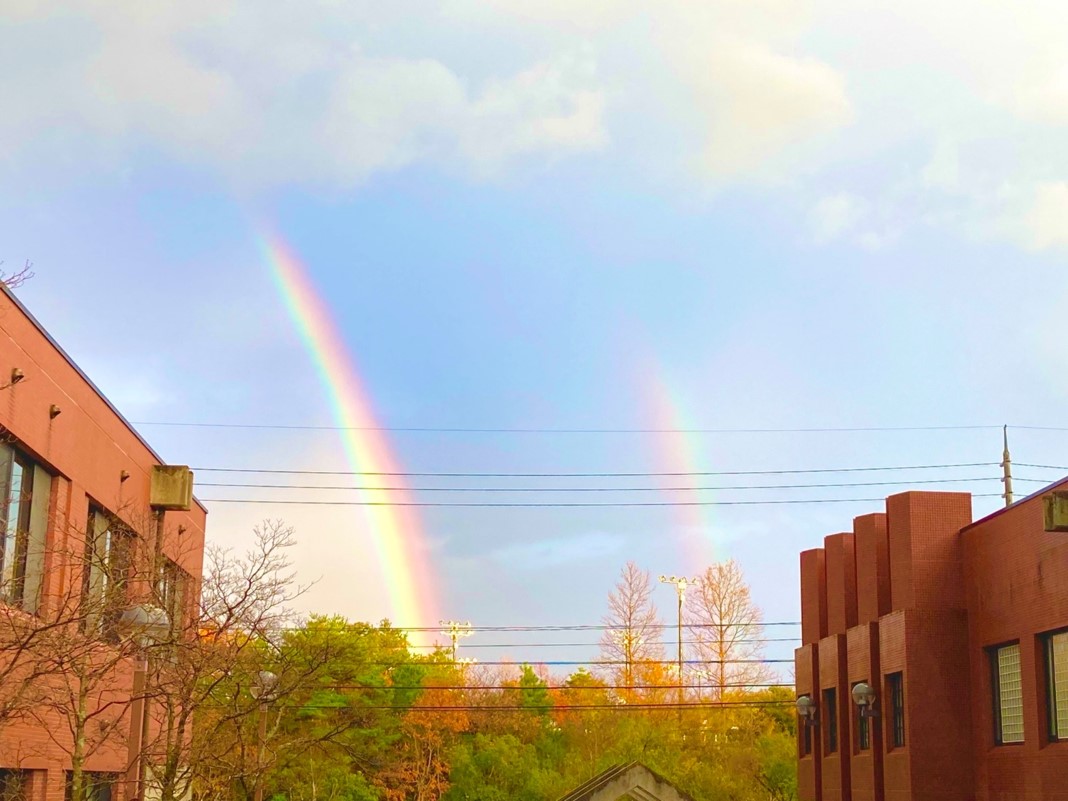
841,583
925,555
873,567
813,596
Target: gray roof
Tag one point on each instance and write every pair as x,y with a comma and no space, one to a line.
587,790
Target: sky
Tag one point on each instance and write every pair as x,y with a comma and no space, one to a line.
564,216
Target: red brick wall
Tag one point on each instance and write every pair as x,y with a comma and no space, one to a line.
813,596
873,567
806,672
925,556
841,583
866,771
832,673
87,447
1016,586
937,695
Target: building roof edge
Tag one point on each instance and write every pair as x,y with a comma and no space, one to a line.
59,349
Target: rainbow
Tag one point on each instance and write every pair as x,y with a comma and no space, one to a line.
395,530
679,452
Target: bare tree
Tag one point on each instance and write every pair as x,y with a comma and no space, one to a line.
208,691
78,658
16,278
727,630
633,629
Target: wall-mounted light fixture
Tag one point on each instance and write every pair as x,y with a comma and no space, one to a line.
54,411
16,375
864,697
807,710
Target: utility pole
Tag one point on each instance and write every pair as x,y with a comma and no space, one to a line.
1006,468
681,583
455,631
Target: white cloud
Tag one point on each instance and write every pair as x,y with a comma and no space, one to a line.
836,215
1046,222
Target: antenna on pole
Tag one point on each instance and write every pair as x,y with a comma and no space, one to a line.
1006,468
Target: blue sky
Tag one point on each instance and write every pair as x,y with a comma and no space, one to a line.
531,213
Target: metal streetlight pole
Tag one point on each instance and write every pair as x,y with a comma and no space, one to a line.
681,583
262,687
143,624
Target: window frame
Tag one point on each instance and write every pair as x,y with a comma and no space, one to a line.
993,656
830,718
107,568
13,565
895,694
1049,653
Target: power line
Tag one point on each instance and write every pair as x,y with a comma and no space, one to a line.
619,707
603,662
604,489
535,430
565,505
566,627
552,687
597,644
406,474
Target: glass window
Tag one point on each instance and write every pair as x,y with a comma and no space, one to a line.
108,557
170,591
895,690
805,732
14,784
1057,678
830,717
863,729
1008,694
99,786
16,478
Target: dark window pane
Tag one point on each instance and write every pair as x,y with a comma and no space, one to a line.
895,689
830,717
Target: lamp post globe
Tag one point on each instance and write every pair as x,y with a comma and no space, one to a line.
863,694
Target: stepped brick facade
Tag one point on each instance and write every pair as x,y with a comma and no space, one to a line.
74,475
961,630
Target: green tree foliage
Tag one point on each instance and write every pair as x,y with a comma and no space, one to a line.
366,718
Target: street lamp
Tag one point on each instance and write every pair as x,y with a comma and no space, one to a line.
807,710
143,624
262,688
864,697
681,583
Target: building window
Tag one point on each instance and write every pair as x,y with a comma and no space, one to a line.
830,718
863,729
24,491
895,691
805,732
14,784
170,591
108,560
1056,647
99,786
1007,684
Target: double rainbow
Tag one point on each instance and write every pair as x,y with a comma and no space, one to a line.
395,531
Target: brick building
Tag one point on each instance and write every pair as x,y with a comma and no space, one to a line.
75,478
960,629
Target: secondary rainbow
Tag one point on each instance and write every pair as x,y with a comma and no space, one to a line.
394,530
